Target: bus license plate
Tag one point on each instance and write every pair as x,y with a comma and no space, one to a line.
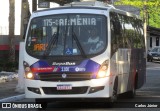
64,87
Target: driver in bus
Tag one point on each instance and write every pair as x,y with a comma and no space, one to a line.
94,41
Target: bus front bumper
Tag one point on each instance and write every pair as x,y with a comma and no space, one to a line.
95,88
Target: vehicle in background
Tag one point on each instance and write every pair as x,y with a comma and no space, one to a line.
154,54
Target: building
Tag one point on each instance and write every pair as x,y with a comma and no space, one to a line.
154,37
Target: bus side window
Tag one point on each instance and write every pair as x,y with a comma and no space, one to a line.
113,32
116,24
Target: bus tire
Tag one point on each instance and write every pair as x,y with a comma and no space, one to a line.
43,104
114,96
131,94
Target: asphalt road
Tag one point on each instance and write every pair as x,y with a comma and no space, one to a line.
148,94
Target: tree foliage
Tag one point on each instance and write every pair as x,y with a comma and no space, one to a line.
152,9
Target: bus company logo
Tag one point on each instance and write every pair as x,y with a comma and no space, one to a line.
55,69
64,75
63,63
77,69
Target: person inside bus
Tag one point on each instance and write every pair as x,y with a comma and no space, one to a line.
94,41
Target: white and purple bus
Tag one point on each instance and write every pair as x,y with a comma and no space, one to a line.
62,62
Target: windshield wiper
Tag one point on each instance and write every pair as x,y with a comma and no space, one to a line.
78,44
51,43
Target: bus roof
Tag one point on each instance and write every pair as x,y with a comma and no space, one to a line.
84,4
90,5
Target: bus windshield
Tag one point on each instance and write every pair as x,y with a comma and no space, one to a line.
67,35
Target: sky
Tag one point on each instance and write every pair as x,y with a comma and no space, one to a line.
4,11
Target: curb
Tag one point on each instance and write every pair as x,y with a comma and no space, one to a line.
13,98
154,68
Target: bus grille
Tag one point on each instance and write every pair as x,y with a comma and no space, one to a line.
75,90
65,76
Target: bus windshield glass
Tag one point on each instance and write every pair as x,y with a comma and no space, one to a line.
67,35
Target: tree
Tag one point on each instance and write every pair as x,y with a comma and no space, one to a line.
152,9
11,30
34,5
25,14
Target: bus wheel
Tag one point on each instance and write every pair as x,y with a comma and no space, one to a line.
113,98
43,104
132,93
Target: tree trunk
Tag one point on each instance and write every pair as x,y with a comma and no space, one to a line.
34,5
25,14
11,30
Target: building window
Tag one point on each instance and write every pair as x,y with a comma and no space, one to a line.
157,41
150,42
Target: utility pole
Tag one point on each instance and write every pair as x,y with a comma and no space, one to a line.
112,1
145,23
25,13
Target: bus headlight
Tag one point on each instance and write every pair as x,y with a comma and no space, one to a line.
103,70
29,75
101,74
26,66
27,69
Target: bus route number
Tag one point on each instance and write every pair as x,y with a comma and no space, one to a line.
66,69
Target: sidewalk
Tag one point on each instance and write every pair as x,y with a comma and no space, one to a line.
7,89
